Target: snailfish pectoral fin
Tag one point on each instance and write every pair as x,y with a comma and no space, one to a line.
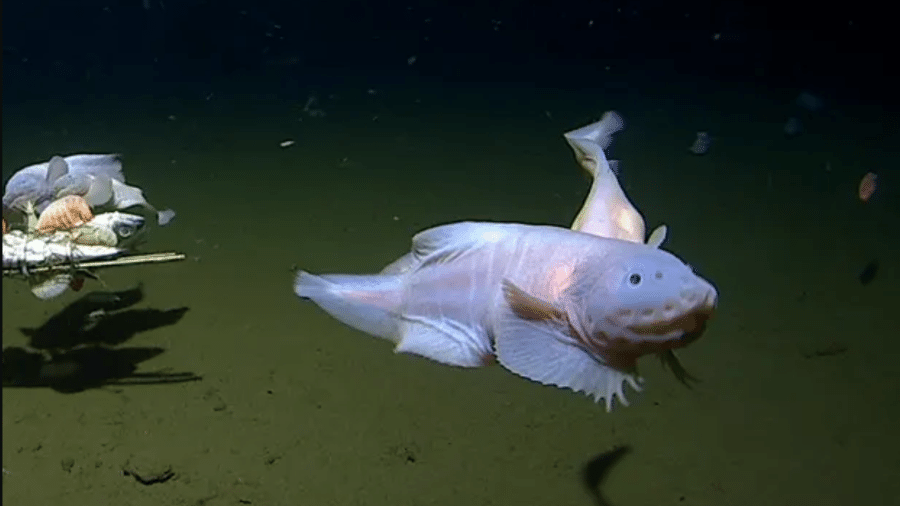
533,341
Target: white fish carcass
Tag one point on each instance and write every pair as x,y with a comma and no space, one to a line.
106,236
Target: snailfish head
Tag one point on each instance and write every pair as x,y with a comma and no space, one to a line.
646,301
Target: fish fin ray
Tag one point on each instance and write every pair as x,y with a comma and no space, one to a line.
543,352
443,341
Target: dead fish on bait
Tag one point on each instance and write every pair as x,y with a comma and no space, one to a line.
96,178
106,236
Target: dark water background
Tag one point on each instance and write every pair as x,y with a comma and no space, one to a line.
800,392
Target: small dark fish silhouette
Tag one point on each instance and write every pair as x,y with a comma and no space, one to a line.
869,271
593,474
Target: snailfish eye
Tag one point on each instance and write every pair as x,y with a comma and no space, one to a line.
124,230
634,279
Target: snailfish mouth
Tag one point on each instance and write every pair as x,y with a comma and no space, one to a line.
676,317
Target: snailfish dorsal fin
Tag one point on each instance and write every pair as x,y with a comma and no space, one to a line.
658,236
